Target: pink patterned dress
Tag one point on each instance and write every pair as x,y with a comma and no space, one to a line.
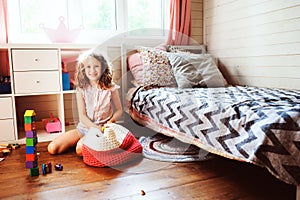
98,105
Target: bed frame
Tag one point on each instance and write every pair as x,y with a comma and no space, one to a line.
127,49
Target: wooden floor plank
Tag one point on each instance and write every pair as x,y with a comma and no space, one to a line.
218,178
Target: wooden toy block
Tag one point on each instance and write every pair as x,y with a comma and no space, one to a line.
49,167
34,171
31,157
29,113
5,145
30,150
29,119
30,127
31,134
5,151
15,146
44,169
31,164
31,141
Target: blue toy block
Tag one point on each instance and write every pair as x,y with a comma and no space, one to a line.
30,150
44,169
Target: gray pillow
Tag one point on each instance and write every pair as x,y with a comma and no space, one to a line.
195,70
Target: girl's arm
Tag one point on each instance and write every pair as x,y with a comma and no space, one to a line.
118,106
83,118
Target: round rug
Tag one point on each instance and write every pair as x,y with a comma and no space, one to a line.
164,148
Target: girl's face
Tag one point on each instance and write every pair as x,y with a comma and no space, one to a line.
92,69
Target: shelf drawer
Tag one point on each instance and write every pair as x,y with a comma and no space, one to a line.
36,82
26,60
6,109
7,132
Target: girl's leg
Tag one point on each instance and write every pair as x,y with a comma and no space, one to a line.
79,147
64,142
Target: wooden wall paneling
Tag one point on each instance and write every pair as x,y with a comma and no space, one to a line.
197,20
256,42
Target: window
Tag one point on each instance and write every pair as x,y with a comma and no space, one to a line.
97,19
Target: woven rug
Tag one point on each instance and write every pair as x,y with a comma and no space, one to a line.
163,148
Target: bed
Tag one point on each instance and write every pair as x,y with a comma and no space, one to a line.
248,124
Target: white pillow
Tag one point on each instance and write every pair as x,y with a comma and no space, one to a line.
196,70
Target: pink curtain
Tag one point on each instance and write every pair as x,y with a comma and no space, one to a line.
180,22
3,22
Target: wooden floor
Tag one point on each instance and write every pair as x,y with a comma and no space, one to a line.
219,178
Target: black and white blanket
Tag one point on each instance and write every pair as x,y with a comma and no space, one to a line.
255,125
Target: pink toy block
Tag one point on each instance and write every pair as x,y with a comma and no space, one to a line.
52,125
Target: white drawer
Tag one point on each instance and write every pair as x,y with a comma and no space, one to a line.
6,109
7,132
25,60
36,82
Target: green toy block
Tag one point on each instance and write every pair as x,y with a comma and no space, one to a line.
29,119
34,171
31,141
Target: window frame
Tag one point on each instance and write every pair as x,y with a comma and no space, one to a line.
96,36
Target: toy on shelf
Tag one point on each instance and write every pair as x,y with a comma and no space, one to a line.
65,77
52,124
31,142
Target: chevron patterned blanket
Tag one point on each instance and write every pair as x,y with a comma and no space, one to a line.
249,124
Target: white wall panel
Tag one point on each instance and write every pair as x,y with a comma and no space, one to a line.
257,42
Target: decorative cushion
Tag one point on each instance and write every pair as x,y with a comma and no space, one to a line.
115,146
156,67
135,65
196,70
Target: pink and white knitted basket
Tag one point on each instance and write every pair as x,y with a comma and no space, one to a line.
115,146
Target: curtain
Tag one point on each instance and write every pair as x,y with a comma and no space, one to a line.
180,22
3,22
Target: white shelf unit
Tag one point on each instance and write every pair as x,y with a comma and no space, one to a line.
36,83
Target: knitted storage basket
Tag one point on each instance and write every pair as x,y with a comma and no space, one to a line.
115,146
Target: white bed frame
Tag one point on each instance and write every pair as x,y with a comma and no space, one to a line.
127,48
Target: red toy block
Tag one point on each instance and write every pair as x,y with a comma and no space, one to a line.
31,157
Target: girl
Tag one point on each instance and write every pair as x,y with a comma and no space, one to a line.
95,95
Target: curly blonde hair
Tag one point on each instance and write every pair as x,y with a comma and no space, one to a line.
82,81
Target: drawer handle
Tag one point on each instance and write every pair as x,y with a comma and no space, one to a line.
36,59
37,81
